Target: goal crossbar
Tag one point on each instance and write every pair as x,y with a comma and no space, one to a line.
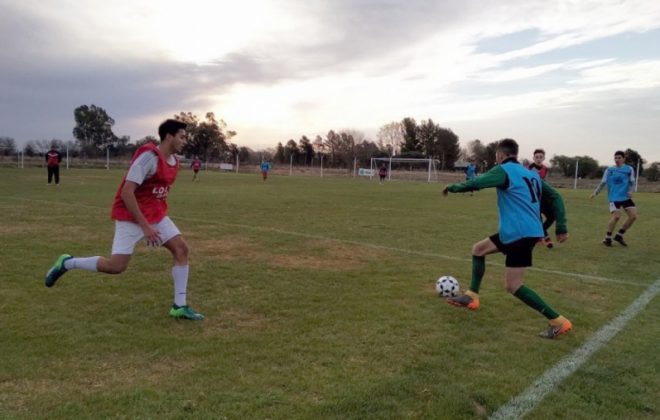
429,163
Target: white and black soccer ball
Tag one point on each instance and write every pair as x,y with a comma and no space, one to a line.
447,286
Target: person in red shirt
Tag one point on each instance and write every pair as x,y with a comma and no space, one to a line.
538,166
382,173
140,211
53,159
196,166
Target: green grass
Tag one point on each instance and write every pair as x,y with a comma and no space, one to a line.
319,302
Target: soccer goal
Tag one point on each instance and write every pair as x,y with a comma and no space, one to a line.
406,168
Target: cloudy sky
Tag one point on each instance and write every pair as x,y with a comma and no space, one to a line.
575,77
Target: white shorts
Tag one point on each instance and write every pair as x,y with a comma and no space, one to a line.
127,234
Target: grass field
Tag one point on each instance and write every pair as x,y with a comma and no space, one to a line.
320,303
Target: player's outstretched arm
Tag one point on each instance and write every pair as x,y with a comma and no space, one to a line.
496,177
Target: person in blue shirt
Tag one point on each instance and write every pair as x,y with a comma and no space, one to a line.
620,181
470,170
264,168
519,196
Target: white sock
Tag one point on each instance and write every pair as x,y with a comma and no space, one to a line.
88,263
180,276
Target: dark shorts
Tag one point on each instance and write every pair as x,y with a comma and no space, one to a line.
618,205
195,170
518,253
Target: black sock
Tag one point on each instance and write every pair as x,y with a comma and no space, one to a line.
609,235
622,231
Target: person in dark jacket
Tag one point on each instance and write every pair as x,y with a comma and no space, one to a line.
53,159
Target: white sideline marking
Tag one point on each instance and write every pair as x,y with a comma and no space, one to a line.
351,242
522,404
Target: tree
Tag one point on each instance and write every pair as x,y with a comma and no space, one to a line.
279,154
7,146
207,138
332,144
587,166
634,159
290,150
306,150
390,137
93,129
438,143
29,149
365,150
447,147
653,172
490,158
410,141
244,154
478,151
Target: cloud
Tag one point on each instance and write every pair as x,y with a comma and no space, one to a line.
289,67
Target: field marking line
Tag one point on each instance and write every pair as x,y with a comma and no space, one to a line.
522,404
358,243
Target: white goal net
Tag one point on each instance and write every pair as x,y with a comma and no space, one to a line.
406,169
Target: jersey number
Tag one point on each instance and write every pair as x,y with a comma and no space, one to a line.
534,188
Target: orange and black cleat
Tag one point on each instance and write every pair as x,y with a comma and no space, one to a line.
554,332
464,301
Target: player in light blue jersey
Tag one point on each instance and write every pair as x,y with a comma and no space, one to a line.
620,181
519,194
470,170
264,167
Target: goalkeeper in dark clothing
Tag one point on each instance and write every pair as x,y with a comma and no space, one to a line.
53,159
520,195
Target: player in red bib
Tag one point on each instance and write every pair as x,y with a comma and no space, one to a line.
196,165
140,211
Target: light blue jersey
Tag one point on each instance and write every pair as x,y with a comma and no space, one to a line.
519,204
470,171
619,181
265,166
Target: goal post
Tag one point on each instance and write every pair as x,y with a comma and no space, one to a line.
420,169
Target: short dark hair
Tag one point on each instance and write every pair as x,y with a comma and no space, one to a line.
619,153
171,127
539,151
508,146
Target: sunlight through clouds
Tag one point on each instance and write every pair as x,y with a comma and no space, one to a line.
290,68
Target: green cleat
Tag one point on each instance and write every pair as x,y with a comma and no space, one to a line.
57,270
185,312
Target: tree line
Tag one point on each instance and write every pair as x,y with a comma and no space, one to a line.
210,139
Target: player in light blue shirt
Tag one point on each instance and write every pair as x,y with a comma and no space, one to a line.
264,168
620,181
519,194
470,170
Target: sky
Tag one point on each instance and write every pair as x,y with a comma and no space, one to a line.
573,77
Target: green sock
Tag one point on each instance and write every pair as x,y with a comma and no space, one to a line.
478,270
534,301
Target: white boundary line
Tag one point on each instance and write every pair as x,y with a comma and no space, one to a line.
358,243
522,404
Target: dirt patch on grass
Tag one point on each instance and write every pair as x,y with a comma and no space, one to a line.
313,254
106,374
235,321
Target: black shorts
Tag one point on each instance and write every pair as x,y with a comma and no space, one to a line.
618,205
518,253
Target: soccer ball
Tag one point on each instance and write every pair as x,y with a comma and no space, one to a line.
447,286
